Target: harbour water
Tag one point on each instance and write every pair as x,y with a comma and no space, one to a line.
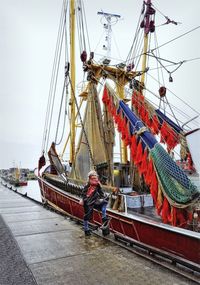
32,190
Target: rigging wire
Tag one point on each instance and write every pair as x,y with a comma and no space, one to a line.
159,60
158,70
174,63
50,92
138,48
56,78
128,59
79,30
102,34
158,98
66,36
114,79
157,47
47,116
117,98
172,111
84,15
82,27
166,17
184,34
116,44
158,54
158,10
180,111
198,113
157,107
81,121
65,85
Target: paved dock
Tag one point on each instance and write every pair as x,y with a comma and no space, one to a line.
38,246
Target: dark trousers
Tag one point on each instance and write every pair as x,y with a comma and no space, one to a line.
88,209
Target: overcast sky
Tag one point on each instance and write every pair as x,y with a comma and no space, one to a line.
28,30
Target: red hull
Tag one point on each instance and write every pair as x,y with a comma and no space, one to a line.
23,183
183,243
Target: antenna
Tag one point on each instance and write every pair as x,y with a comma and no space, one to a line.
111,19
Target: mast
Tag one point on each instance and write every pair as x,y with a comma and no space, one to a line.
72,75
108,31
148,12
120,90
121,79
146,38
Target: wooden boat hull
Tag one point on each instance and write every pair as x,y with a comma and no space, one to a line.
16,183
180,242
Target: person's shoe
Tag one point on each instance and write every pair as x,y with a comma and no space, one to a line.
105,222
105,226
88,233
105,219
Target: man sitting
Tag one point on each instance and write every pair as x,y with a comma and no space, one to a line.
93,197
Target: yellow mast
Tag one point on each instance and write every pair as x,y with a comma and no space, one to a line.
144,58
72,75
120,92
136,177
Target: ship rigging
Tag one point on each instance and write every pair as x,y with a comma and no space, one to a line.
147,178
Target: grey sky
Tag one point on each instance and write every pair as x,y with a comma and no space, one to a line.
28,31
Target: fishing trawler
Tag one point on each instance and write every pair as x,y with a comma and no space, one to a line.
154,199
14,177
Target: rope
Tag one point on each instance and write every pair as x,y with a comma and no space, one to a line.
146,89
57,143
139,48
79,32
157,107
82,125
99,43
55,84
86,26
158,71
141,103
135,38
177,38
66,36
141,130
157,47
114,79
159,60
198,113
49,104
159,98
180,122
82,26
116,44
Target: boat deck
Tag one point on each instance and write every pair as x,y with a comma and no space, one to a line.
147,212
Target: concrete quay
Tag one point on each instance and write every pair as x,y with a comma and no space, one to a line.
41,247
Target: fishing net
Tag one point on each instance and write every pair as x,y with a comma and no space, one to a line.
175,183
91,148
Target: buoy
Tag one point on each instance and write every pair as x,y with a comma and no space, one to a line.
162,91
